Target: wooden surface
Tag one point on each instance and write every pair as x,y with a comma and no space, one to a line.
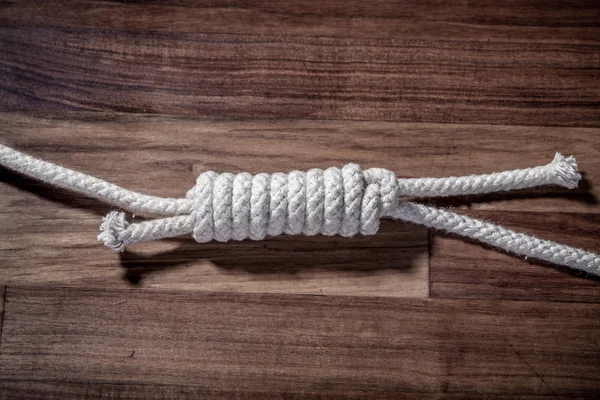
149,94
264,345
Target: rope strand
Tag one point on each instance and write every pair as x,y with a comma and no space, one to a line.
498,237
90,186
344,201
561,171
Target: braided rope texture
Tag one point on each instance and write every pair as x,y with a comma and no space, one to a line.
561,171
499,237
344,201
90,186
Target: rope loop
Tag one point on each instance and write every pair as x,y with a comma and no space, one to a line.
342,201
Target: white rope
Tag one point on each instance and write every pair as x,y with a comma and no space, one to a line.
344,201
498,236
561,171
90,186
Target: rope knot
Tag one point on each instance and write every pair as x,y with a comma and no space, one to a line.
112,230
342,201
335,201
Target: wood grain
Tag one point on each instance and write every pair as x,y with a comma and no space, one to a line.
288,61
65,252
56,390
3,292
50,234
162,155
147,94
460,269
303,345
523,21
51,237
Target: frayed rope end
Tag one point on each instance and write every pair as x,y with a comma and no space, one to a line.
112,230
567,173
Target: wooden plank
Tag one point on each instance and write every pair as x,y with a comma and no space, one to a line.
162,154
56,390
279,344
455,64
460,269
525,21
49,234
3,291
65,252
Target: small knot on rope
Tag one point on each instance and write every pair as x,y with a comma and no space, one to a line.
342,201
113,229
566,172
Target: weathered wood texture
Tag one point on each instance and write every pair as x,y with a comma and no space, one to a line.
162,155
462,269
254,345
94,390
501,62
42,222
50,236
3,292
444,88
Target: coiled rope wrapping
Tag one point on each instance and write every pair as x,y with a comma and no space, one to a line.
344,201
335,201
